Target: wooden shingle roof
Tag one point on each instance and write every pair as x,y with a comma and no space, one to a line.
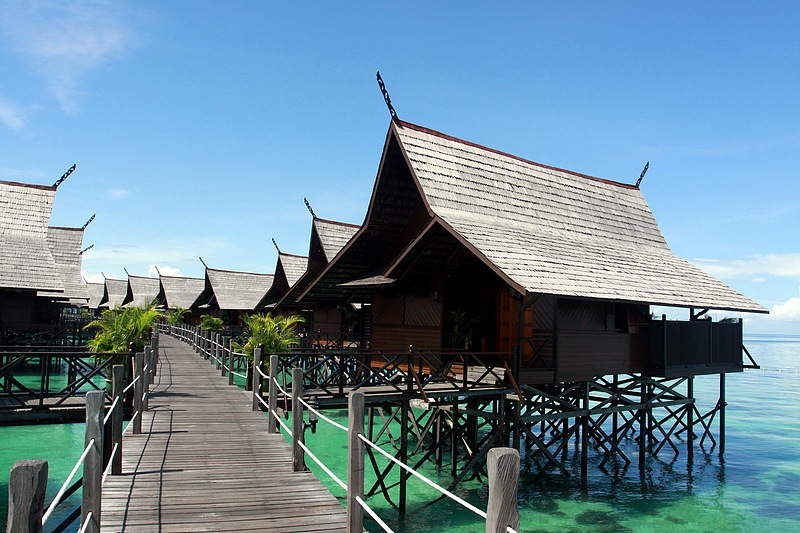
180,291
95,291
25,258
65,247
288,270
333,235
114,293
238,291
553,231
141,291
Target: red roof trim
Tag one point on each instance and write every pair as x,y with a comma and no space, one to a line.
498,152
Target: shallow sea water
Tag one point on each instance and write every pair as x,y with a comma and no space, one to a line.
755,487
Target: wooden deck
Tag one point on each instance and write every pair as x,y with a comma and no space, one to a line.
205,462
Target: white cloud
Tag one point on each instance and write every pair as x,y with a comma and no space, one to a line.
62,41
789,311
92,278
156,270
118,194
781,265
11,115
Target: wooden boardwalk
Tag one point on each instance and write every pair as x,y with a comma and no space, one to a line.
205,462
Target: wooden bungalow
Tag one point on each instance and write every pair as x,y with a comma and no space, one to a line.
176,291
114,293
325,320
95,291
229,294
466,247
65,246
141,291
26,262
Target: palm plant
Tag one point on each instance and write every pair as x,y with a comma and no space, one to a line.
274,333
122,329
178,315
210,323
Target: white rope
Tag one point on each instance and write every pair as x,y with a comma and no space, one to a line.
132,383
322,466
261,373
282,424
280,389
66,483
111,410
86,523
413,472
110,463
130,422
374,516
240,375
323,417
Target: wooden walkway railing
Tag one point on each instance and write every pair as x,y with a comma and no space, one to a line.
205,462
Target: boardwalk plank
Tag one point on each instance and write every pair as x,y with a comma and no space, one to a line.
204,462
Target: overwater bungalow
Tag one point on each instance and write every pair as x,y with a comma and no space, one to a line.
141,291
324,321
229,294
114,293
26,262
65,246
95,291
466,247
288,270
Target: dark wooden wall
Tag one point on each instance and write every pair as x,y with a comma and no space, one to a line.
400,320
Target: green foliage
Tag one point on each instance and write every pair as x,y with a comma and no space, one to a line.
210,323
729,320
119,327
460,328
276,333
178,315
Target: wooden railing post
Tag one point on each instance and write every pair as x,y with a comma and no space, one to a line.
117,386
227,342
256,378
138,388
155,343
501,512
298,456
355,462
218,351
147,378
93,464
26,491
272,424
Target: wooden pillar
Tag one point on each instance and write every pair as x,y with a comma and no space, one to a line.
502,512
217,351
298,455
256,378
117,386
454,441
27,486
93,464
226,359
404,409
272,424
722,403
138,388
690,416
355,462
155,343
146,378
585,435
642,426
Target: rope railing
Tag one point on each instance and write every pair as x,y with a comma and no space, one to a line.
65,486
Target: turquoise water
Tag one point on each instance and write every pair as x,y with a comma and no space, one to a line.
756,487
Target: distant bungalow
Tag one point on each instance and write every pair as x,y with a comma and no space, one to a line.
230,294
179,292
114,293
141,291
556,267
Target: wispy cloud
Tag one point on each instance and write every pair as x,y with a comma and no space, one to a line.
757,266
118,194
62,41
163,270
92,278
11,114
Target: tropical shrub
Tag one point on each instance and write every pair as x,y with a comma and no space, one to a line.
121,328
210,323
276,333
178,315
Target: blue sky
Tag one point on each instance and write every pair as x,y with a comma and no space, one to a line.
198,127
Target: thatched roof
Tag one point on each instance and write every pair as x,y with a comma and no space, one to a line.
65,246
541,229
141,291
288,270
236,291
327,239
114,293
179,291
25,258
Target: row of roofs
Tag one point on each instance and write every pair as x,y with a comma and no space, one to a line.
539,229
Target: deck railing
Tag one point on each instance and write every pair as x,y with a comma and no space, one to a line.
101,456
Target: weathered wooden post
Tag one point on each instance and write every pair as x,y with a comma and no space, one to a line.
355,462
227,342
93,464
256,378
117,386
138,387
218,351
298,456
272,424
501,512
26,491
146,379
155,343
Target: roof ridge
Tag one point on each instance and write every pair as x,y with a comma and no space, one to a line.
441,135
239,272
294,255
318,219
30,185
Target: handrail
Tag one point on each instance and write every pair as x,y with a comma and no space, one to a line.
63,488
